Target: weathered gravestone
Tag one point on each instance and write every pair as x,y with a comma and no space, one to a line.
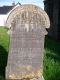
27,32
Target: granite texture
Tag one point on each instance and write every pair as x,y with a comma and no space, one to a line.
27,32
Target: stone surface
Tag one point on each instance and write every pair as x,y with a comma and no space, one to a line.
25,59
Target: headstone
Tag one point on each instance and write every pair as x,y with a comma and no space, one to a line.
27,32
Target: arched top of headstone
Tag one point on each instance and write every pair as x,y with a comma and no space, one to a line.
29,8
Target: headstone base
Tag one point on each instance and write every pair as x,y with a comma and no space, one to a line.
33,75
41,78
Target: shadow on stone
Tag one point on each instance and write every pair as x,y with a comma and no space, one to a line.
3,62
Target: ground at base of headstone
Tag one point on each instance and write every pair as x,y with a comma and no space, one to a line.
28,79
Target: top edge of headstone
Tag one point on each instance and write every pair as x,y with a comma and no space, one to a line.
28,7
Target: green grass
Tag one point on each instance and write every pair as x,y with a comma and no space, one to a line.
51,59
4,40
51,56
